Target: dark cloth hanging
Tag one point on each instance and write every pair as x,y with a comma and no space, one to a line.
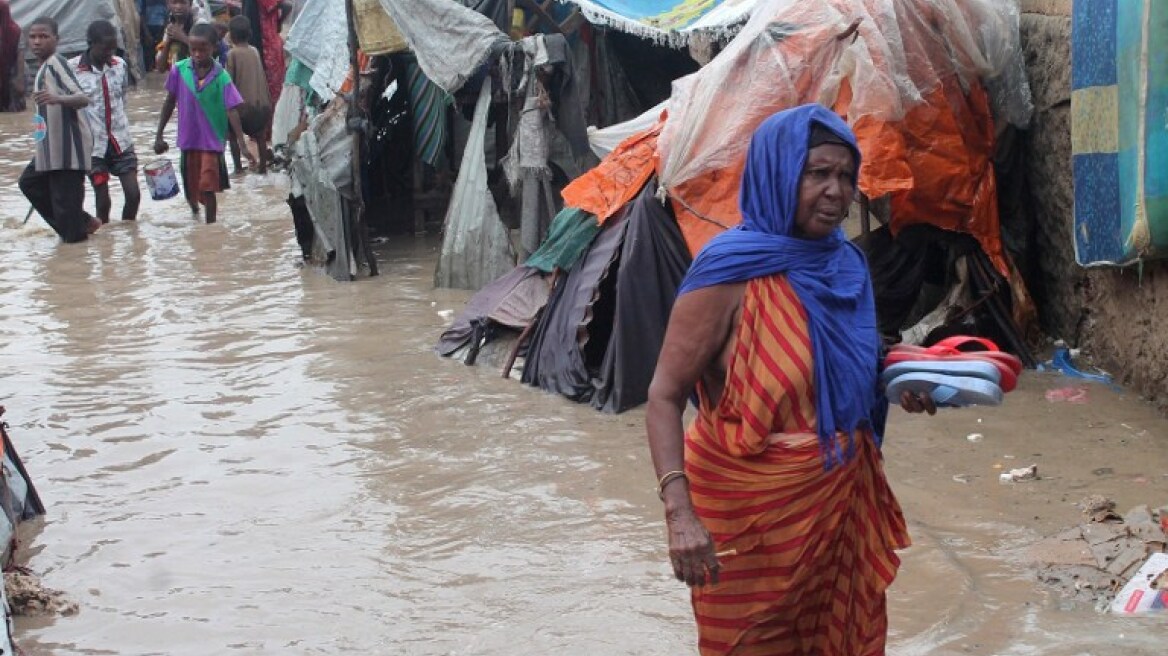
251,9
604,324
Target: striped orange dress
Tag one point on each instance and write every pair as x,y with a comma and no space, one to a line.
814,549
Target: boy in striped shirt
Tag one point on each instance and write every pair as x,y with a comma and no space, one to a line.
54,181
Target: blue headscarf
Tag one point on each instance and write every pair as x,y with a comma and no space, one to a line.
829,275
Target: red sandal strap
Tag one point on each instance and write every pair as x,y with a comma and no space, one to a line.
957,341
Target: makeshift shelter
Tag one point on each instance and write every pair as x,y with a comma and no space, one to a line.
320,162
541,102
74,16
921,82
448,41
595,337
910,76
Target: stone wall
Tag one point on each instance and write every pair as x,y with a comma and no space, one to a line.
1118,316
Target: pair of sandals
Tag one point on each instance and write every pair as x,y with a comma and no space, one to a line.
950,373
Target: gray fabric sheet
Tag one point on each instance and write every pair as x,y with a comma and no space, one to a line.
322,166
72,16
476,248
451,41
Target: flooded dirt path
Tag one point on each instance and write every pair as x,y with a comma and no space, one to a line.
242,455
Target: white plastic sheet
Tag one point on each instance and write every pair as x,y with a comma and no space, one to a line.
319,39
322,168
604,141
476,248
287,114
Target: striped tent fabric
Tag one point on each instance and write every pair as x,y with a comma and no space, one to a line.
429,103
812,550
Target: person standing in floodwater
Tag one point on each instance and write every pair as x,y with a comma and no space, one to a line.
207,101
105,77
247,71
54,182
779,514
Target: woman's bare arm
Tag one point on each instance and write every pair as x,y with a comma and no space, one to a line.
699,328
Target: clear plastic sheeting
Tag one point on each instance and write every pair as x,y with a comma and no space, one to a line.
476,248
913,78
450,41
790,52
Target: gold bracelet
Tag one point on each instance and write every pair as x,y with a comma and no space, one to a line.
668,478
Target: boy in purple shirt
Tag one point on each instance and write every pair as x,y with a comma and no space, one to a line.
206,100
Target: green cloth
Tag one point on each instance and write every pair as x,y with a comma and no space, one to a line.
210,97
569,236
300,75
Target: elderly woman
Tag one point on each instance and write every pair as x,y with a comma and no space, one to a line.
778,511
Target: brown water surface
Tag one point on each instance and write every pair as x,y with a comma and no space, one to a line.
242,455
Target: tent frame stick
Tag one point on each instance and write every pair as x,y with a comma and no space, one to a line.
360,240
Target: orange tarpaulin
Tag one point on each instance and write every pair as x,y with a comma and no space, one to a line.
905,74
936,164
618,179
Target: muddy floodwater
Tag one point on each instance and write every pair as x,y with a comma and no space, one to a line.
241,455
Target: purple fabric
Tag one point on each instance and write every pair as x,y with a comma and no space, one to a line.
194,130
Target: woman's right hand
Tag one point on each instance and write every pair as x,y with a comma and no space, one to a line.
916,403
691,549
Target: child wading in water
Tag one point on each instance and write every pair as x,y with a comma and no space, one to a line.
247,71
207,100
55,180
105,77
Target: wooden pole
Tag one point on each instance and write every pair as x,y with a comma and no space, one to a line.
359,241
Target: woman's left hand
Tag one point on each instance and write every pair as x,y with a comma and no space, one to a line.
917,403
